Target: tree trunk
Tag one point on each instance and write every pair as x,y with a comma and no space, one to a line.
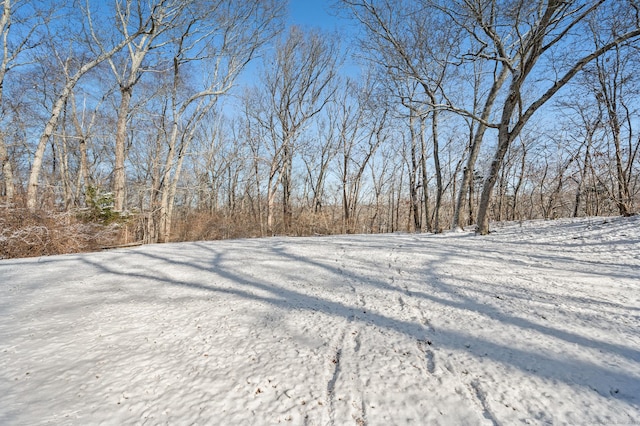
152,233
36,165
271,195
7,173
345,197
65,178
83,174
287,214
119,175
516,191
471,217
585,168
489,183
163,235
259,218
173,187
504,140
413,177
425,176
7,169
474,150
623,194
436,160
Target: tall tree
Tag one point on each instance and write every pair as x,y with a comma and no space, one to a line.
75,65
298,83
222,40
411,42
19,23
128,68
362,129
615,83
527,34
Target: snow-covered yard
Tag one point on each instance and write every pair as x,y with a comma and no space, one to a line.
536,323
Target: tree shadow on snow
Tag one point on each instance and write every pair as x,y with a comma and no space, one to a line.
229,272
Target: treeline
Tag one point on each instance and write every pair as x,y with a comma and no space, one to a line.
172,120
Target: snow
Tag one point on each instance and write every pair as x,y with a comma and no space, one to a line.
536,323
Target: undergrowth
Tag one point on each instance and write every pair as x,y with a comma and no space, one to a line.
25,233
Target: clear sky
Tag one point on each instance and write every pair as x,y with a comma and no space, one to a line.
312,13
321,14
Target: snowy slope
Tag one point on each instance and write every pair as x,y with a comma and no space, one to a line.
537,323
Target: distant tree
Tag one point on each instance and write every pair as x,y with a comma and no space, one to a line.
298,82
318,154
362,129
613,79
222,40
401,39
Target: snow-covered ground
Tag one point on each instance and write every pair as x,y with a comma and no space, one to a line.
536,323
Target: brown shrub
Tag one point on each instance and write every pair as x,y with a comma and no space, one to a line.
41,233
206,226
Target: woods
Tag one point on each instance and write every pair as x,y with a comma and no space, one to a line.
172,120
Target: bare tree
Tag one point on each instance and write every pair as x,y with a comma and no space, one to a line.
399,40
614,82
583,121
26,19
415,159
128,69
83,122
74,68
361,131
536,28
318,155
223,40
298,83
478,129
7,58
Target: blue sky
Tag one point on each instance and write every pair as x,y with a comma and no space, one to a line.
314,13
321,14
310,14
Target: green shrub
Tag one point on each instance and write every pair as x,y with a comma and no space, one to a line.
100,207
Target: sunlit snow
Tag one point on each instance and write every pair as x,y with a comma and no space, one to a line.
536,323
